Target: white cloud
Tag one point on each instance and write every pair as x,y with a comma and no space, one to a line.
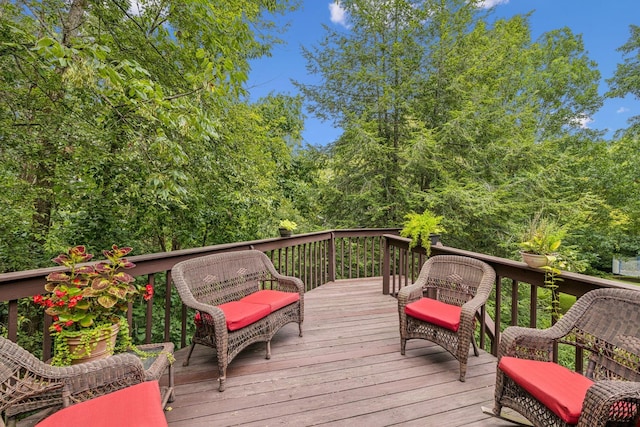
338,14
583,121
622,110
486,4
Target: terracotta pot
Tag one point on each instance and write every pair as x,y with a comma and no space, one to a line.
534,260
102,346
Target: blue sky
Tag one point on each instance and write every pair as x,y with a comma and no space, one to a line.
604,26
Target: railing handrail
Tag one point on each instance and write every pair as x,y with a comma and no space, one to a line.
32,281
576,284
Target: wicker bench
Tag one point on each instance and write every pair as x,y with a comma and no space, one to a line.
605,324
239,299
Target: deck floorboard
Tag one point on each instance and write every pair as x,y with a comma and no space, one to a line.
346,370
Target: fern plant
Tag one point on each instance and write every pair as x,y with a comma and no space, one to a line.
419,227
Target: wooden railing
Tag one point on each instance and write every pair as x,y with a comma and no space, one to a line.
315,258
402,266
318,258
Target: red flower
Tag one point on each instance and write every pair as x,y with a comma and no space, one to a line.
57,327
38,299
148,293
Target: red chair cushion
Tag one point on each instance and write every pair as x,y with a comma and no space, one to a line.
275,299
137,405
435,312
240,314
556,387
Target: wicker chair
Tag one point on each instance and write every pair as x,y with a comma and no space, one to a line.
28,384
442,304
207,282
605,323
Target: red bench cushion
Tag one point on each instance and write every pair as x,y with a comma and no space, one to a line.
556,387
240,314
137,405
275,299
435,312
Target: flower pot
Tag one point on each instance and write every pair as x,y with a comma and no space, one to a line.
284,232
101,344
534,260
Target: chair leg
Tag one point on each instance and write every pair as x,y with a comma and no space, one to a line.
268,356
186,362
403,345
222,378
463,372
300,329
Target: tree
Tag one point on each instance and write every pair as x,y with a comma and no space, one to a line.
368,77
110,117
626,79
444,109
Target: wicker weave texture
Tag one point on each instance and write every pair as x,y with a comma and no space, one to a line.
456,280
605,323
205,282
28,384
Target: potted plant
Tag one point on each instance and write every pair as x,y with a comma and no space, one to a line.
541,240
424,229
286,227
87,303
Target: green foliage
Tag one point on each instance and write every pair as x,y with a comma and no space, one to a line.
543,236
419,227
288,225
626,79
139,133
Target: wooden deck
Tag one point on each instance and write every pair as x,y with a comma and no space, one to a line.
345,371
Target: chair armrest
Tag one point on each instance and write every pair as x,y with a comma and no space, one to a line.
217,319
290,284
527,343
409,294
605,398
471,307
91,379
285,283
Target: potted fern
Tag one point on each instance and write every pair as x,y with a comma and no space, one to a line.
286,228
424,229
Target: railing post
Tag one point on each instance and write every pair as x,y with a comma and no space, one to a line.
151,279
386,267
167,307
332,257
496,324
